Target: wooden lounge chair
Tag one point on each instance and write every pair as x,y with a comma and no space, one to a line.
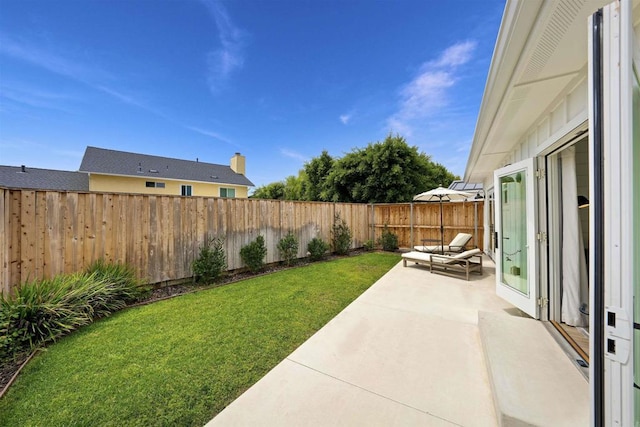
456,245
450,265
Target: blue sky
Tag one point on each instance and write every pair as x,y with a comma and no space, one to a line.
277,80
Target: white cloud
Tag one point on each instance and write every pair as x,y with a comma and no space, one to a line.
458,54
211,134
429,92
345,118
125,98
293,154
36,97
230,55
45,58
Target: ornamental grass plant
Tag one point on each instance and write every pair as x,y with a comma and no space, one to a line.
41,311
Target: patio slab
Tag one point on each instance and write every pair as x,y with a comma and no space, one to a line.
408,351
534,381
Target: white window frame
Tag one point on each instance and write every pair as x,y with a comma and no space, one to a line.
227,189
184,187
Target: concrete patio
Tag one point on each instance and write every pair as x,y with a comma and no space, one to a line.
411,350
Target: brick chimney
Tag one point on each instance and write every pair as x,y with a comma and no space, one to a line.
238,163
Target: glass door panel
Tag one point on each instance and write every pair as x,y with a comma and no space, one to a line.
515,240
514,232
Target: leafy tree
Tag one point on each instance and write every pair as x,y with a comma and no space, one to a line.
385,172
274,191
293,187
317,171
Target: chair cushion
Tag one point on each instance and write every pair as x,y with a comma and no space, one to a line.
467,254
461,239
417,255
430,248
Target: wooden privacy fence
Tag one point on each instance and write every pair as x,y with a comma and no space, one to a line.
45,233
413,222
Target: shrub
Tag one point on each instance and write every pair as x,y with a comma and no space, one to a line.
340,236
368,245
317,248
388,240
288,248
253,254
211,262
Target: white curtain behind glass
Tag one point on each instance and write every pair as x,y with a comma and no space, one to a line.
575,282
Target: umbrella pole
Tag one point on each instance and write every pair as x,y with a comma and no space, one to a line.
441,229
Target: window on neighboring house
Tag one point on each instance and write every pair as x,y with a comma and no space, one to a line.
185,190
228,192
153,184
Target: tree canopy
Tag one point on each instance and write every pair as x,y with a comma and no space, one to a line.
390,171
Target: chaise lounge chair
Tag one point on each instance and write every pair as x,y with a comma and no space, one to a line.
457,245
465,262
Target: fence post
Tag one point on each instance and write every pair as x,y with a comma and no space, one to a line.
475,223
411,226
373,223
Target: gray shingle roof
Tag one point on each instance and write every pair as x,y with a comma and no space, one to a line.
100,160
43,179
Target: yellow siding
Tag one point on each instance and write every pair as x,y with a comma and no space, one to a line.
134,185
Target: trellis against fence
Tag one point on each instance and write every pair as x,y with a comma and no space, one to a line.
45,233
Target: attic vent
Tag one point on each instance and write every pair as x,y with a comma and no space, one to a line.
139,167
153,170
562,18
213,177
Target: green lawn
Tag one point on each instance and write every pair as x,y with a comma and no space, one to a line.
181,361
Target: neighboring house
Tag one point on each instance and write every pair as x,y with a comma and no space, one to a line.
122,172
557,148
43,179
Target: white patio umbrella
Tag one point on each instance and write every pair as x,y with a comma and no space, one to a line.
439,194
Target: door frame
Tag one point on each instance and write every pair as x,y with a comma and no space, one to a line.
612,262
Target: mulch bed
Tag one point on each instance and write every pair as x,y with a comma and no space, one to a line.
10,370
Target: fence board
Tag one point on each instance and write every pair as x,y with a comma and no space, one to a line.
5,273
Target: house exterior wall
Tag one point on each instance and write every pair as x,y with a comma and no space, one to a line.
568,112
135,185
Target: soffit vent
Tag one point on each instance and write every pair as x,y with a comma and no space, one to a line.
562,18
